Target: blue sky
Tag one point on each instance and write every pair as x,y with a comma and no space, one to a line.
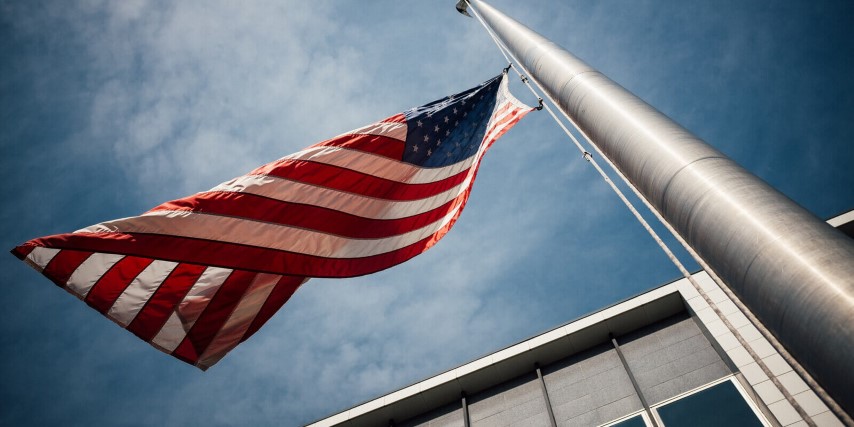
110,108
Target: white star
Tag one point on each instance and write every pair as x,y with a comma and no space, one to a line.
439,143
447,133
465,113
436,129
426,138
449,154
446,119
419,123
457,123
455,110
415,148
429,152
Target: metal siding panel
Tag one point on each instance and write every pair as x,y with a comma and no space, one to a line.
516,402
446,416
671,357
586,388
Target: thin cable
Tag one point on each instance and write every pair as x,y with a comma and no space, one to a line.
587,156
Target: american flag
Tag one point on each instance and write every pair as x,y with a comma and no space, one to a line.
195,277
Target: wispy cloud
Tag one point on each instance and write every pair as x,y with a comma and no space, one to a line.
109,108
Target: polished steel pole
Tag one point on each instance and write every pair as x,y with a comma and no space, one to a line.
793,271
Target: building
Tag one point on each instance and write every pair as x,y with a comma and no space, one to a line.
662,358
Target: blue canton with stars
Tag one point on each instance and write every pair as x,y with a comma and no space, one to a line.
449,130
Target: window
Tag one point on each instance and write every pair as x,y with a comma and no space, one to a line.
719,405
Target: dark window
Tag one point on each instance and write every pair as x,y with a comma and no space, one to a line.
719,405
636,421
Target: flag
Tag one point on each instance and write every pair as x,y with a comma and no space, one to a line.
194,277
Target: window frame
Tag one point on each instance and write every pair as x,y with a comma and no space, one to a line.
731,378
640,412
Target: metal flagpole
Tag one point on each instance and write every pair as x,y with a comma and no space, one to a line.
678,264
793,271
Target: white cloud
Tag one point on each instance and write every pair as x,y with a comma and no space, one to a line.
170,98
193,93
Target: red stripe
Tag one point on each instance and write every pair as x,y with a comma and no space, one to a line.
281,294
504,108
21,252
310,217
186,353
350,181
375,144
229,255
162,304
510,120
397,118
111,285
60,268
215,315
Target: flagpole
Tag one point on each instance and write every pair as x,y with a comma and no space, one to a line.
793,271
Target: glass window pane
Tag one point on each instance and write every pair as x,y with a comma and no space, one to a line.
719,405
636,421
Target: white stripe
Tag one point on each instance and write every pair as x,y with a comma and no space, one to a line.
143,286
241,318
383,167
189,310
87,274
273,236
498,126
280,237
262,234
504,95
394,130
40,257
366,207
395,170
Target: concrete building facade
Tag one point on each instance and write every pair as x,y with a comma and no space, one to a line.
663,358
